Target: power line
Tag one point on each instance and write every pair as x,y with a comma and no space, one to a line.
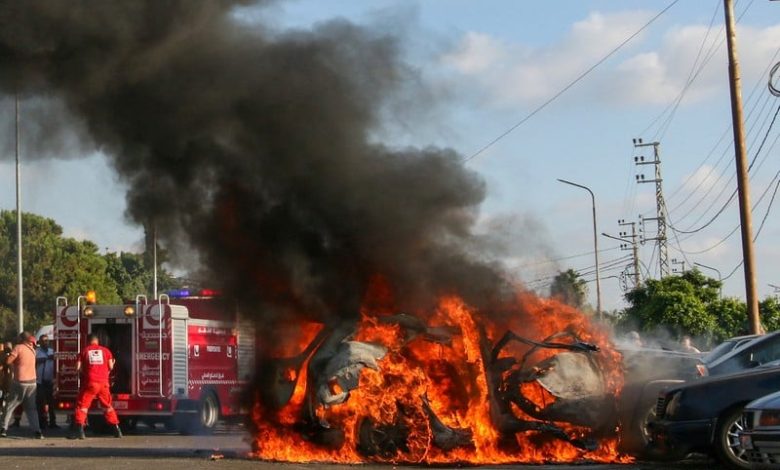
692,75
723,172
564,258
725,151
733,195
571,84
674,105
752,177
758,232
734,230
582,271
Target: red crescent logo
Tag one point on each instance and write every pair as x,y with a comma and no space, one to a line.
68,322
150,319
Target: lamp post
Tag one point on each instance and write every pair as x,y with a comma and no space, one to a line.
720,278
19,278
595,243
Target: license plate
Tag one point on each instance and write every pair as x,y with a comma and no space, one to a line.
120,405
746,442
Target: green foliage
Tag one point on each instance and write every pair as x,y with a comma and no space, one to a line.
689,305
731,315
128,271
769,310
569,288
54,266
681,304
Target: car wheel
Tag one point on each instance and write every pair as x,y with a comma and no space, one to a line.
727,446
644,424
645,438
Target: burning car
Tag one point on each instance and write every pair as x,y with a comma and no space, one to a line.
395,388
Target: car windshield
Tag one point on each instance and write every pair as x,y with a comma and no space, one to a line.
719,350
754,353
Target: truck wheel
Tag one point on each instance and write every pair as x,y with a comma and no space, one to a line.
128,423
208,413
170,424
727,446
204,421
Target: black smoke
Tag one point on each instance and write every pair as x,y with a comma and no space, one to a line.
255,148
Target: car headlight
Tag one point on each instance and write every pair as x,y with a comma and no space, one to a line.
769,418
673,405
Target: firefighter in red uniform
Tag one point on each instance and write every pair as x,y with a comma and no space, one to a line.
95,363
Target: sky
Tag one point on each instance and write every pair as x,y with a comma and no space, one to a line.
486,66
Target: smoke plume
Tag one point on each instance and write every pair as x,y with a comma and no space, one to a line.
253,147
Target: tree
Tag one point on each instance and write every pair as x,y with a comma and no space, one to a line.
569,288
731,317
769,311
132,277
52,266
683,304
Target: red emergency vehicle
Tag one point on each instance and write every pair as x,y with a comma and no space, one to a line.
184,360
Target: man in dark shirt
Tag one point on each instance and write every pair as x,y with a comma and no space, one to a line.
44,371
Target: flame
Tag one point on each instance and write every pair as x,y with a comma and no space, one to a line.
452,377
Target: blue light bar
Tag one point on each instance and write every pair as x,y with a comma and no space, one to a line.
178,293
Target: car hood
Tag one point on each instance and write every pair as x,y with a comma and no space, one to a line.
767,402
734,376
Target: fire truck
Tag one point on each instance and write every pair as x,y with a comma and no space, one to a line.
183,360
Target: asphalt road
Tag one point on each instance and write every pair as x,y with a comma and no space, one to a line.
156,449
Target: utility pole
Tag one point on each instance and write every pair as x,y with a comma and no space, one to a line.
20,282
634,247
743,184
682,266
628,242
660,204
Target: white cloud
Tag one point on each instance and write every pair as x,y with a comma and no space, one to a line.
477,53
515,73
700,180
511,74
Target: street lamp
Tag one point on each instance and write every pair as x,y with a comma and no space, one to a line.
19,274
720,279
595,243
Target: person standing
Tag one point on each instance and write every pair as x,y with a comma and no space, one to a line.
23,387
95,364
5,374
44,371
6,379
687,346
